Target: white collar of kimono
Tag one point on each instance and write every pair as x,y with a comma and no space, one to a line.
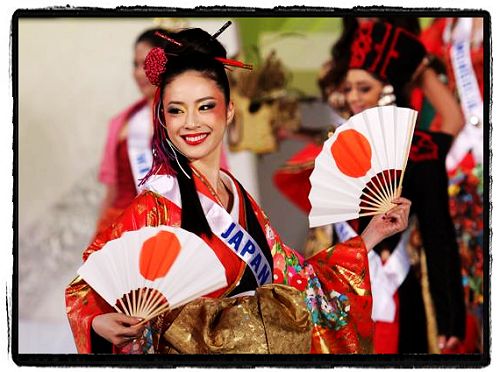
222,224
139,144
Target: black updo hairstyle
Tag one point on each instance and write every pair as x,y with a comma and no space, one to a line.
197,53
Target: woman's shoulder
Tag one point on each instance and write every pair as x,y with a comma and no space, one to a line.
148,209
162,185
150,198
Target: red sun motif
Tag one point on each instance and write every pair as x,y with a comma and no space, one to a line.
352,153
158,253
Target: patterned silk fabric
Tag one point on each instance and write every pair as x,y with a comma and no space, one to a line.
319,305
275,320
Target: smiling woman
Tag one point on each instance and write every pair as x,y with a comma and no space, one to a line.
196,125
362,90
273,301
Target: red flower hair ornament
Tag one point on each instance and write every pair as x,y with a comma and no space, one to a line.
156,60
154,65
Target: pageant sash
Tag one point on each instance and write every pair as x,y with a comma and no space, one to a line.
385,278
344,231
139,144
468,88
471,137
222,224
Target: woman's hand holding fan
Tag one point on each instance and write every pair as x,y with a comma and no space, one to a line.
147,272
119,329
359,171
384,225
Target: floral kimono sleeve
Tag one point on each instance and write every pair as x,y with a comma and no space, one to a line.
336,285
83,304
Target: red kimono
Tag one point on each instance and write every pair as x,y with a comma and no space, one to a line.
325,300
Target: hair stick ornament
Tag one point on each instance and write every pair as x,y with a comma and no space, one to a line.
221,30
225,61
234,63
168,38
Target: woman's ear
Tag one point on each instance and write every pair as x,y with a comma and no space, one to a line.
230,112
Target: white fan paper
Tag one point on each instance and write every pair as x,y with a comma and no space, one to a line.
360,169
149,271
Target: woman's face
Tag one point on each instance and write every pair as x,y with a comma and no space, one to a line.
196,115
140,52
361,90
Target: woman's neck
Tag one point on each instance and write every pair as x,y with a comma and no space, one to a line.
209,167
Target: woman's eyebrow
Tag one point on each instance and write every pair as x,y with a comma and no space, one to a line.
197,101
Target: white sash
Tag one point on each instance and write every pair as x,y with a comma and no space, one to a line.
139,144
344,231
385,279
471,137
222,224
468,88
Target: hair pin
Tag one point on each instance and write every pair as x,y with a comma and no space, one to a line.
221,30
234,63
157,33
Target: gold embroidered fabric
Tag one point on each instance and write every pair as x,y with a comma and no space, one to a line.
274,321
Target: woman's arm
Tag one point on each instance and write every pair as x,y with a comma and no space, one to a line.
90,316
87,312
443,101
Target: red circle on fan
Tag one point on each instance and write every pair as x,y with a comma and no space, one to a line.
352,153
158,253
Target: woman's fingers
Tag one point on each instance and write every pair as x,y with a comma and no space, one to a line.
401,201
382,226
127,320
398,217
132,332
127,334
128,327
396,212
125,331
125,340
119,329
402,205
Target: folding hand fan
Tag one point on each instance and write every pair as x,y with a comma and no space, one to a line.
149,271
360,169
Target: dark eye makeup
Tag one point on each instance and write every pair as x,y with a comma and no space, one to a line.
207,106
365,88
174,110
